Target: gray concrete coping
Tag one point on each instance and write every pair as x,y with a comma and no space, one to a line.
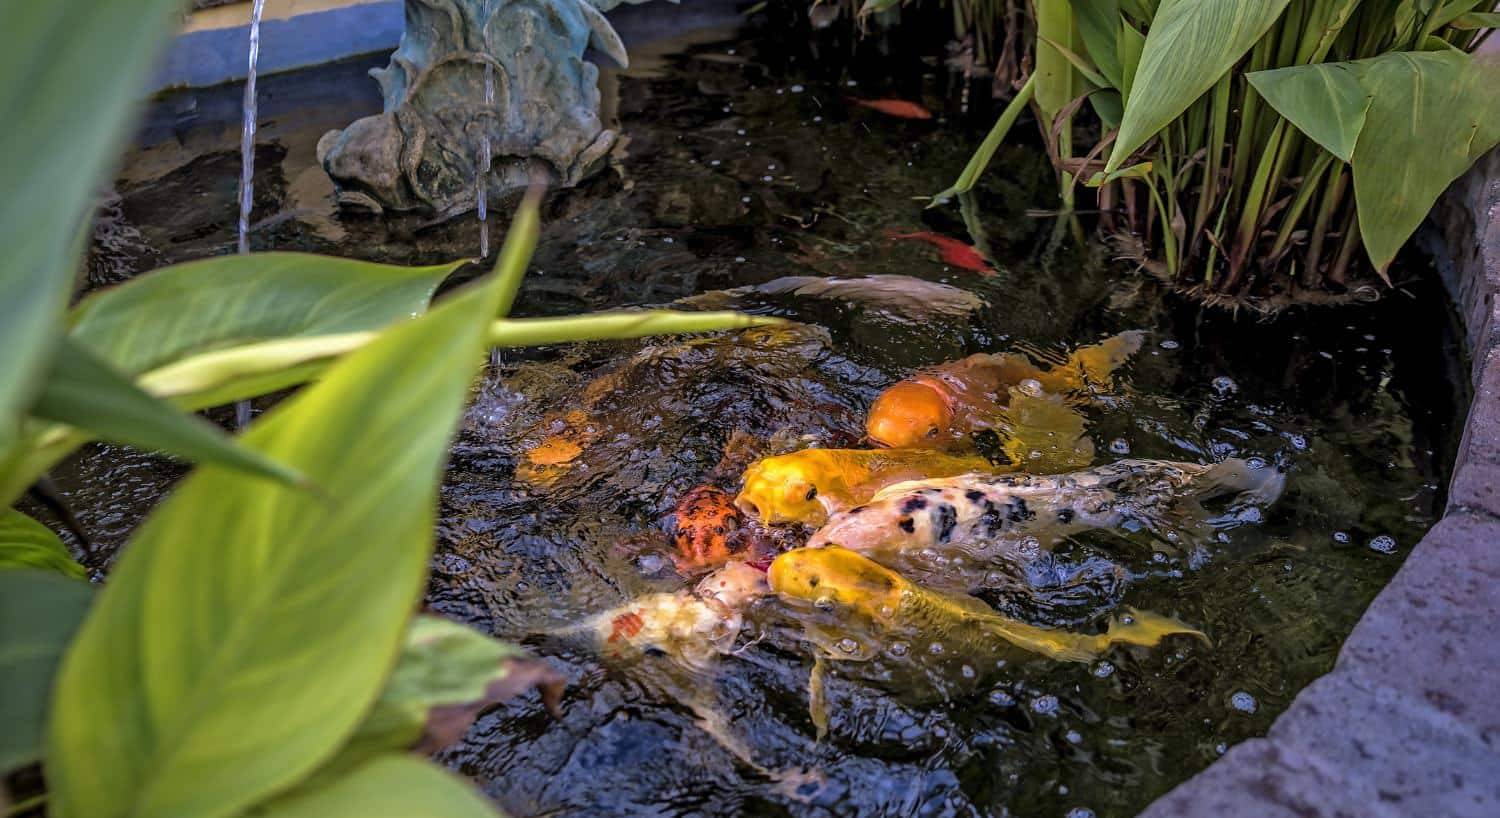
1407,725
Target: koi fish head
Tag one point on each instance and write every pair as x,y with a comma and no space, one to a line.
910,414
836,577
784,489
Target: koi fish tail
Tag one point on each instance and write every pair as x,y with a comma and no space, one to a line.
1097,363
1250,483
1147,629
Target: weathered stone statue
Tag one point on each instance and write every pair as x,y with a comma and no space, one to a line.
476,80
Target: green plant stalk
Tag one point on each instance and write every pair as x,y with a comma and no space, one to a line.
1254,207
1350,243
1333,195
1311,184
981,158
1219,106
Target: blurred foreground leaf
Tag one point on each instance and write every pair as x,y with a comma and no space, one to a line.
26,543
39,612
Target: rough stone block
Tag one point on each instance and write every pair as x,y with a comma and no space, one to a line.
1258,779
1390,751
1431,633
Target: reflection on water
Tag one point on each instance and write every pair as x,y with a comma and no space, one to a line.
741,170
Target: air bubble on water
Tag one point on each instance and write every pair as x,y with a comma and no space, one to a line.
1221,748
1073,737
745,199
1249,514
1158,556
887,611
797,89
899,649
1103,670
1225,385
1030,386
1255,462
968,672
714,162
851,83
739,132
1080,812
1298,441
848,645
1062,789
1036,454
1119,446
1341,537
1127,619
1243,702
1000,698
817,119
740,259
1385,544
1030,547
936,648
669,240
823,603
1044,705
1169,344
993,578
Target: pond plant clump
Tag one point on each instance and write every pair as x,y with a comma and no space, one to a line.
1259,153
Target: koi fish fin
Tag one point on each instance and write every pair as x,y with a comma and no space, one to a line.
1043,434
817,695
1253,483
1095,365
1147,629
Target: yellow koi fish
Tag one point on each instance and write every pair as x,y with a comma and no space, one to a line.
809,485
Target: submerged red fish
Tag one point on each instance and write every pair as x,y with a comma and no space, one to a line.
896,107
953,252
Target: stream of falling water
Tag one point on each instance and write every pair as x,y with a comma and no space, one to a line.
247,162
482,173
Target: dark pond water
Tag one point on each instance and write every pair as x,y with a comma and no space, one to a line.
743,163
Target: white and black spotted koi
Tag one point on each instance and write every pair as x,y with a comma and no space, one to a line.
976,519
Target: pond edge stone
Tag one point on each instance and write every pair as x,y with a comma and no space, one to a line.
1408,721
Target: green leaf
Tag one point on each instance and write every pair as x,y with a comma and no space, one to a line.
1132,44
71,72
39,612
446,675
1432,115
1079,63
1056,84
1476,20
204,306
249,627
1141,170
1099,26
1326,101
1109,106
26,543
392,786
1190,44
84,392
981,158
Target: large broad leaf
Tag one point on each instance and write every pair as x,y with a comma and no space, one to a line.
26,543
1326,101
446,676
189,309
391,786
39,612
250,626
1056,81
1429,116
1099,26
1190,44
84,392
70,72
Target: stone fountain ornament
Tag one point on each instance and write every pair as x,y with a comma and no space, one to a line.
481,97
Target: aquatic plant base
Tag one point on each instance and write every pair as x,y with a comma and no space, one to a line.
1408,722
478,90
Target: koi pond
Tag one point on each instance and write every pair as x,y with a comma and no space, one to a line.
751,178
